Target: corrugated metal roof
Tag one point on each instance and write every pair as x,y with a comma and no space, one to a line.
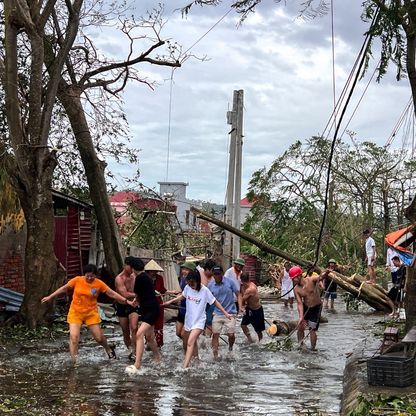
11,299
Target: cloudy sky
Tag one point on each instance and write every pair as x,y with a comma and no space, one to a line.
284,66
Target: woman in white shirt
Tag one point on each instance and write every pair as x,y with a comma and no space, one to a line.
197,297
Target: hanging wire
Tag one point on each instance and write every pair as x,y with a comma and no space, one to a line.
333,60
169,123
359,101
334,140
171,86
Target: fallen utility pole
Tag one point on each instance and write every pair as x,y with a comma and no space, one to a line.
373,295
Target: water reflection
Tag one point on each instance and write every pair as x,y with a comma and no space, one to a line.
251,381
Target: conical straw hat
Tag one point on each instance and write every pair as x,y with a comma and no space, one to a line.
152,265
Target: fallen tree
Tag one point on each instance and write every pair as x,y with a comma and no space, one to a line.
374,295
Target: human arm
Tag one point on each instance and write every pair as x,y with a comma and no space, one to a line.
299,304
240,303
119,298
219,306
57,292
122,290
175,300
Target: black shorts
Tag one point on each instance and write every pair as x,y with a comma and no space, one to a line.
312,315
123,311
181,317
395,294
150,314
254,317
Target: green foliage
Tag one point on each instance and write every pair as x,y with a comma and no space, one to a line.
285,344
384,406
351,302
368,184
388,25
151,229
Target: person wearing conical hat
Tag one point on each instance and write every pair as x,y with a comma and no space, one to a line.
153,269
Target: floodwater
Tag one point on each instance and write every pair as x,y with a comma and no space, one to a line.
254,380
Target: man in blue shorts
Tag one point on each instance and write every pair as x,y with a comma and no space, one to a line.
330,286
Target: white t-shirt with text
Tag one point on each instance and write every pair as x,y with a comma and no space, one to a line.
196,303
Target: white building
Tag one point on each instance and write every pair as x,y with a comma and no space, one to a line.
176,193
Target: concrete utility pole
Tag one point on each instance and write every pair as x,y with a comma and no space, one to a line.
232,214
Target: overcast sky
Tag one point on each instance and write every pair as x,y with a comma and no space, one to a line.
284,66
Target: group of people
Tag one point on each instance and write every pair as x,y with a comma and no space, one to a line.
210,301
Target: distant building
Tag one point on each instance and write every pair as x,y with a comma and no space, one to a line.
175,192
122,201
245,207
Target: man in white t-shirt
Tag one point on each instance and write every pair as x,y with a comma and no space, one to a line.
234,272
371,254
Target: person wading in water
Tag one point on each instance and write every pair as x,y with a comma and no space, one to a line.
254,314
128,316
307,295
84,308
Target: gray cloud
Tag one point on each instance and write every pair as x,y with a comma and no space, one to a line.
284,67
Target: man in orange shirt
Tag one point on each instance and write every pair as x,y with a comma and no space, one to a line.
84,308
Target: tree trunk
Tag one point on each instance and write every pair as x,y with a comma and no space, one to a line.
40,265
94,170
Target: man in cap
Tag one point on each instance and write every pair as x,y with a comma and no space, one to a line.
224,289
128,316
330,286
307,295
371,254
235,271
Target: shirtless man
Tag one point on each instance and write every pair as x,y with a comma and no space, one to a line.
254,314
127,315
307,295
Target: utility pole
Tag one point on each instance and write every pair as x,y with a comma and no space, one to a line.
233,197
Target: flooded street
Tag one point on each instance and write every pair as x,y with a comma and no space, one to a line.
254,380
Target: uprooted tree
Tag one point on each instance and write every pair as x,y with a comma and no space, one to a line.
47,56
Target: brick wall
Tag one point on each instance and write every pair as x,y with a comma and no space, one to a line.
11,272
252,267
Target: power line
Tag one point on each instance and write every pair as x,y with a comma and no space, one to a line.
171,87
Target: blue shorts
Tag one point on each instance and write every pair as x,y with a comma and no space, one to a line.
331,295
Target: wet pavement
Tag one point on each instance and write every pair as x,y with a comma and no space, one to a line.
253,380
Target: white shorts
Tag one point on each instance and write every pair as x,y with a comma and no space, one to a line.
370,262
220,324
